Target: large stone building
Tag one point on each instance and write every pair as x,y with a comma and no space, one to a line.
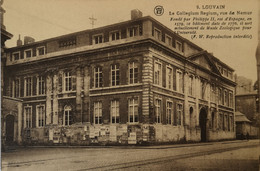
131,82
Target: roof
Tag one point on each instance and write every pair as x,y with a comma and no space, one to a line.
240,117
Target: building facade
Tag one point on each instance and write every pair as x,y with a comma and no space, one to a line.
131,82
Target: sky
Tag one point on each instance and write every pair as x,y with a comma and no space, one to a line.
43,19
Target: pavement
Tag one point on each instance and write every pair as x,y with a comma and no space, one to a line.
225,155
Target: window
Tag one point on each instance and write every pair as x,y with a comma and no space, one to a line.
28,86
40,51
213,93
230,75
179,81
68,42
168,40
114,75
179,113
98,39
114,112
203,89
225,73
226,98
28,53
213,120
98,77
28,117
158,73
169,78
157,34
133,73
133,110
16,55
40,115
158,112
40,85
190,86
67,81
67,118
98,113
220,122
179,46
169,112
133,31
230,99
220,96
226,123
115,35
16,87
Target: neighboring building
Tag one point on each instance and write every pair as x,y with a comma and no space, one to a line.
131,82
11,108
244,85
244,127
248,105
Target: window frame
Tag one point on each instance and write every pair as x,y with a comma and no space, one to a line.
159,36
114,32
179,46
43,119
169,78
16,89
179,115
179,84
169,118
29,117
170,38
69,120
25,54
158,81
43,86
98,35
99,115
158,110
19,55
136,31
116,77
134,103
26,88
37,51
115,111
98,77
135,75
67,82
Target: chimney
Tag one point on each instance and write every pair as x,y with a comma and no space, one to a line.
19,41
135,14
28,40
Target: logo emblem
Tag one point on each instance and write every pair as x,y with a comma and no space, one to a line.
158,10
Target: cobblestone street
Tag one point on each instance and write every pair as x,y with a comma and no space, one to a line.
228,155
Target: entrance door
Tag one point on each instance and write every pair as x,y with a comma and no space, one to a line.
9,128
203,124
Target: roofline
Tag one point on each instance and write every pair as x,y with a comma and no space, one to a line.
107,26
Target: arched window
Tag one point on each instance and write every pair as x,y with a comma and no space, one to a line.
67,117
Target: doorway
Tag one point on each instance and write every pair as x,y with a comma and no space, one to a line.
9,128
203,124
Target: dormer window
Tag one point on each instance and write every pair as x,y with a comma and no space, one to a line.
28,53
168,40
97,39
40,51
133,31
16,55
179,46
115,35
157,34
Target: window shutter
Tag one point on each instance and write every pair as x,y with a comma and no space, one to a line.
60,83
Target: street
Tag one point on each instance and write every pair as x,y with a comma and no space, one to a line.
226,155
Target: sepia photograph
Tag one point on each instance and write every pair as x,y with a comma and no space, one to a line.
130,85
